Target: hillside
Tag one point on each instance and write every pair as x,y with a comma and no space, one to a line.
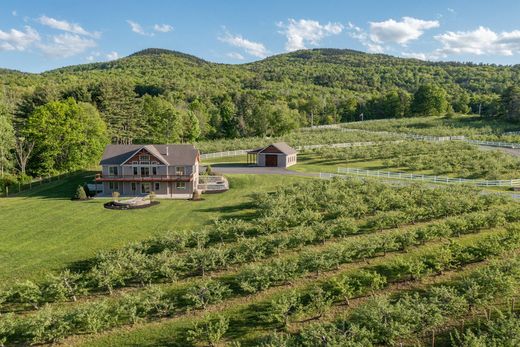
158,95
328,68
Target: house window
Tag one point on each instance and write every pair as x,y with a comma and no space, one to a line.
180,170
154,170
157,186
112,170
180,185
144,159
113,185
145,171
135,171
134,187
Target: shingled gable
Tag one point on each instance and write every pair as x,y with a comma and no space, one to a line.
151,150
280,146
177,154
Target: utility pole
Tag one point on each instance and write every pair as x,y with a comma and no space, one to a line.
479,109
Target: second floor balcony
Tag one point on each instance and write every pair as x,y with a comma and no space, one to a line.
144,178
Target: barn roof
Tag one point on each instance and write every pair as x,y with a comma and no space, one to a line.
169,154
280,146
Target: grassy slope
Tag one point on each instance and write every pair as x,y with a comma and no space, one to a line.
45,230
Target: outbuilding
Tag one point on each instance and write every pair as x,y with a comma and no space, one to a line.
277,154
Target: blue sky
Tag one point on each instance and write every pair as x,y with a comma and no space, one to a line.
40,35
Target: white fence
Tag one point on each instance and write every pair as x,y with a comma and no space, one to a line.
344,145
411,136
494,144
224,154
444,138
428,178
298,148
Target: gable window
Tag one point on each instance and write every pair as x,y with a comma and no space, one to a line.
180,185
144,159
180,170
112,170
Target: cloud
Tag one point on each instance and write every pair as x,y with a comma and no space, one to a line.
417,55
364,38
15,40
14,13
255,49
162,28
65,26
112,55
408,29
66,45
451,10
235,55
92,57
137,28
479,42
306,31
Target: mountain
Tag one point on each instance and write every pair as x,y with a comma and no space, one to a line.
342,69
238,100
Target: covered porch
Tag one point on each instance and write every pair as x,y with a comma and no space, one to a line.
252,156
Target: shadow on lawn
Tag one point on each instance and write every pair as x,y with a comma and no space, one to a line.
217,165
60,188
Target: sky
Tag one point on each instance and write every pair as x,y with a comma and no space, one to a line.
39,35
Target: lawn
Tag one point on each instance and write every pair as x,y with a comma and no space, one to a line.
44,230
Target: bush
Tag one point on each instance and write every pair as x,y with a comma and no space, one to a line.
203,294
209,170
210,330
80,194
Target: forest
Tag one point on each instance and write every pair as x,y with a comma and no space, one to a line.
160,96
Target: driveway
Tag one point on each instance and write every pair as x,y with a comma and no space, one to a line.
257,170
513,151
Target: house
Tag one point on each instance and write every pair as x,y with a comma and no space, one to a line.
171,171
277,154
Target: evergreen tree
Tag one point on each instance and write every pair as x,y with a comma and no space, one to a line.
118,103
510,103
429,100
80,194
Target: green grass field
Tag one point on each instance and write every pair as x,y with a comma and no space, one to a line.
43,230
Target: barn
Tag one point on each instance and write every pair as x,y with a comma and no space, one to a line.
277,154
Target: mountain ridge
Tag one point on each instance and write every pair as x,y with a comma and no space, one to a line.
299,54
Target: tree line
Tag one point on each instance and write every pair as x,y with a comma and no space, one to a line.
159,97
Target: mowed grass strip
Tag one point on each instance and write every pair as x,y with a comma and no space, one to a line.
43,230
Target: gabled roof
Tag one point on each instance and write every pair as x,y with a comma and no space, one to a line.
176,154
281,146
150,149
284,148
